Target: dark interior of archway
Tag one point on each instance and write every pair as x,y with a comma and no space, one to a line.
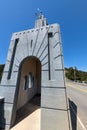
32,102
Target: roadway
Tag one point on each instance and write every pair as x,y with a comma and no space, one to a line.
77,94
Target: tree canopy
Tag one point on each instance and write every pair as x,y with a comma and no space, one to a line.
73,73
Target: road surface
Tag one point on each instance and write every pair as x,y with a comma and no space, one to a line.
77,94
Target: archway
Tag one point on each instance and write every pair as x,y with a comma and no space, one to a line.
29,87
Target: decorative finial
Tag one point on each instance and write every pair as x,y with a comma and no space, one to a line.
39,13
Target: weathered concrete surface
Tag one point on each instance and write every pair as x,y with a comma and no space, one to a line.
54,119
42,43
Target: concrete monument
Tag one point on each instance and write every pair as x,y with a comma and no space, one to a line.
34,65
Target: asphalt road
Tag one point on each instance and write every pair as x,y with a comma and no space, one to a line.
77,94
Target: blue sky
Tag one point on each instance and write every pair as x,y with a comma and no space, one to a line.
18,15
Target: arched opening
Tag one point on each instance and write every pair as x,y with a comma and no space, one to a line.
29,92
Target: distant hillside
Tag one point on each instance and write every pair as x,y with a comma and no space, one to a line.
1,70
76,75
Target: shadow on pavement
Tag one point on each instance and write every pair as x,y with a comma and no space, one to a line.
28,109
73,114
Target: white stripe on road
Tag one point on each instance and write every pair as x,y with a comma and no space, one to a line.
78,119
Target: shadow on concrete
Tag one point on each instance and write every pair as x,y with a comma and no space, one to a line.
28,109
2,118
73,114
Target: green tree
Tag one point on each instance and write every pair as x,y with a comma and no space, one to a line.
70,73
73,73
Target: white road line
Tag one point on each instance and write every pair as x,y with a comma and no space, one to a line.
79,119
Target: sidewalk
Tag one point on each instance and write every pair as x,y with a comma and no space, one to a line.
28,117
